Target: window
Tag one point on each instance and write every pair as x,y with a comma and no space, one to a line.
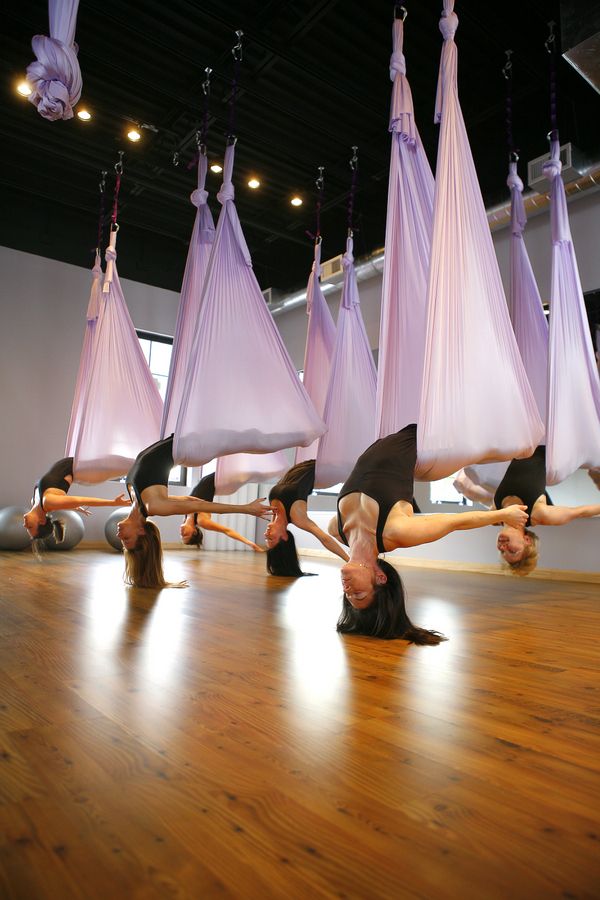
157,349
443,491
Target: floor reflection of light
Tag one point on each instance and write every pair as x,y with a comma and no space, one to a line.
162,638
107,607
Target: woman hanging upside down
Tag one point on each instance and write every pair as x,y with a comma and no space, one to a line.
51,495
525,483
288,501
147,482
375,515
191,530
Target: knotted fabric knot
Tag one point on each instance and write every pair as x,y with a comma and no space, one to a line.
397,64
448,25
227,192
199,197
110,254
55,78
513,180
552,168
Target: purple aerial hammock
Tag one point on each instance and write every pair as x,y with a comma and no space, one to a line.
573,421
320,334
406,260
55,76
242,392
465,415
349,412
122,407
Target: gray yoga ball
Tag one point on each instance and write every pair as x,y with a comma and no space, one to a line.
12,533
74,530
110,528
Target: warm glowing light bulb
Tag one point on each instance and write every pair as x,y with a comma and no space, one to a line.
84,115
216,168
24,89
134,135
254,183
296,201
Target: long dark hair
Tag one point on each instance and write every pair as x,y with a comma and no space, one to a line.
282,559
197,538
386,617
50,528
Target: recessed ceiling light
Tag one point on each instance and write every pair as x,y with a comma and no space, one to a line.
254,183
84,115
296,201
134,135
216,168
24,89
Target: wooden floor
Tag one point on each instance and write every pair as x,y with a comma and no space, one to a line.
224,741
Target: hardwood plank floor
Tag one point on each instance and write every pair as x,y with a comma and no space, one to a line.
224,741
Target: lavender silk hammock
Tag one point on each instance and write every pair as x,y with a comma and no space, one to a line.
350,404
573,425
123,407
476,402
320,339
55,77
406,262
246,468
201,243
85,360
241,393
525,305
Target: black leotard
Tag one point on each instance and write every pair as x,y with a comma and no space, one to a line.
384,472
56,477
204,490
297,484
525,479
152,466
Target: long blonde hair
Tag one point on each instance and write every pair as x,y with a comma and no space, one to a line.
144,562
529,560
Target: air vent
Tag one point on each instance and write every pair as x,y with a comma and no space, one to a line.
572,167
332,269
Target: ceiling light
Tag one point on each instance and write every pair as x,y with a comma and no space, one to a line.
216,168
24,89
134,135
254,183
296,201
84,115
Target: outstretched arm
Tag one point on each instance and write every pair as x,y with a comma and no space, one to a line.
172,506
302,521
410,531
53,502
211,525
560,515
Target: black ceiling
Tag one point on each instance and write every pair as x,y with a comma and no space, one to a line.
314,80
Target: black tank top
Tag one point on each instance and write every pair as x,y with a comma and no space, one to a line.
525,479
55,478
297,484
204,490
152,466
384,472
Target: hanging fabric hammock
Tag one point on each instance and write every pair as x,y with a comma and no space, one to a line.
525,304
203,235
55,77
234,471
406,261
85,360
241,393
476,402
320,338
122,407
573,424
350,404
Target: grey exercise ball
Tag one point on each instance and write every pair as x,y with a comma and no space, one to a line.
74,530
110,528
12,532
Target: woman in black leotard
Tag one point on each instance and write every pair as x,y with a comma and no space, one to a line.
191,530
147,482
288,499
375,515
525,482
51,494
